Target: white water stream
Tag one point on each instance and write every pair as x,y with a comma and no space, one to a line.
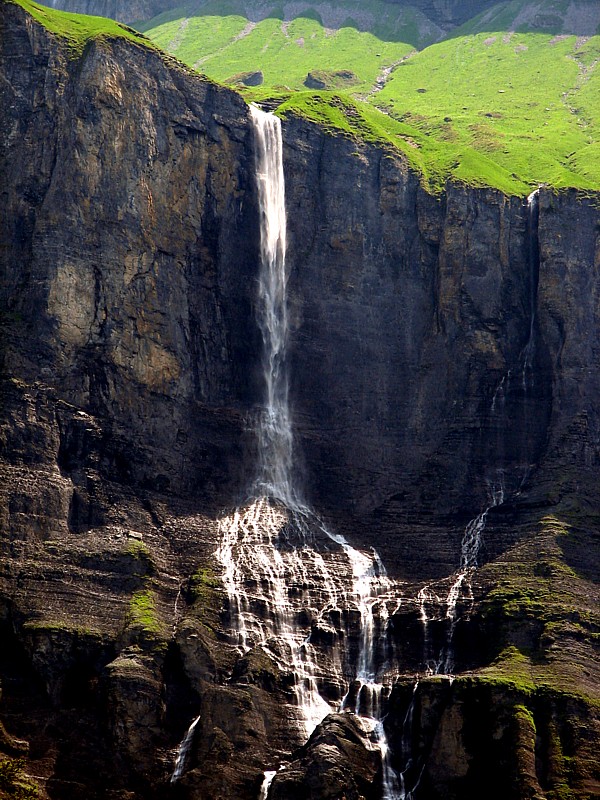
533,256
184,749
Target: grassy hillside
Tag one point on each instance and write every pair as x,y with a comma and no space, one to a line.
77,29
511,99
286,50
529,101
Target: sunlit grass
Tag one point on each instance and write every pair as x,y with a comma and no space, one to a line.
78,29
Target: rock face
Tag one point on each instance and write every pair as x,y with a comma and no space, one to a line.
337,761
426,340
159,166
443,350
122,10
453,12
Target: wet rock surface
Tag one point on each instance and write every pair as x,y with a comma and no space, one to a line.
129,381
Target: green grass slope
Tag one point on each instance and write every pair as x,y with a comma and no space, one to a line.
511,99
78,29
242,38
527,100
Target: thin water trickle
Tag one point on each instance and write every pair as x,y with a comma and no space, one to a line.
183,751
470,547
266,784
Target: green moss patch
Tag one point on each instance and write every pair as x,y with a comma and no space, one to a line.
142,612
14,783
144,626
542,614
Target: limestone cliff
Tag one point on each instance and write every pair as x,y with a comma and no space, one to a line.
442,347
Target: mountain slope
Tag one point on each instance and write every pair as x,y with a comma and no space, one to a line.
519,84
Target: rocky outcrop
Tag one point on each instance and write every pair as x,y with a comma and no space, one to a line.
338,761
520,740
441,348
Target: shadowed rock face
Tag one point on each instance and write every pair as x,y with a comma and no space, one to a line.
129,259
432,359
444,12
413,315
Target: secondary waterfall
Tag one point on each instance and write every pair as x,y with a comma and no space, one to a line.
184,749
533,258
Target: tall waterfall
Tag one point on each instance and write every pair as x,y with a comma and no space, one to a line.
275,440
285,573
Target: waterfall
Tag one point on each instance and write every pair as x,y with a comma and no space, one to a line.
299,593
442,662
268,780
275,440
285,573
183,751
469,551
533,259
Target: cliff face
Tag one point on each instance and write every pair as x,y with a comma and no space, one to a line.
159,167
443,350
415,317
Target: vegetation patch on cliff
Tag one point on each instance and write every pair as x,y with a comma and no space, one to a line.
143,621
14,784
542,614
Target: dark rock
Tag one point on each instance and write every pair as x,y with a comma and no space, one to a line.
312,82
325,79
339,762
247,78
475,727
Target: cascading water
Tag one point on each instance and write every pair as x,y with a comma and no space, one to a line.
286,574
278,557
469,551
264,789
184,749
274,429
